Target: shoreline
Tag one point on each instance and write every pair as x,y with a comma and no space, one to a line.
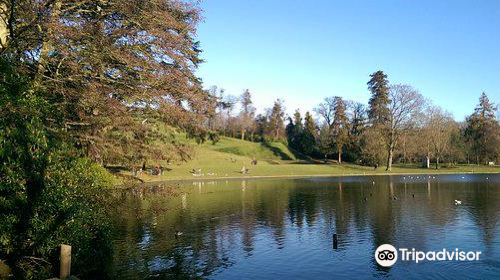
302,176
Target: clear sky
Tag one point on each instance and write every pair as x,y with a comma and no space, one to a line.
303,51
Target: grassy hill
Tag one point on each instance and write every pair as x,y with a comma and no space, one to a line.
226,158
259,151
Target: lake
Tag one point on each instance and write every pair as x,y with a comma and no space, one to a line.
283,228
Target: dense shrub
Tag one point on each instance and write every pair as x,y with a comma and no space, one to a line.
49,194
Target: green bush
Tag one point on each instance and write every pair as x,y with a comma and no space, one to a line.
49,194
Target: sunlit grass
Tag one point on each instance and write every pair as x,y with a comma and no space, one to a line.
227,158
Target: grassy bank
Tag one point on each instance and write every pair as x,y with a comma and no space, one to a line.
226,159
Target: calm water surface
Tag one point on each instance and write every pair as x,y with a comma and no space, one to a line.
282,229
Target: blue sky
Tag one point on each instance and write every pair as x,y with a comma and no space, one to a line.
303,51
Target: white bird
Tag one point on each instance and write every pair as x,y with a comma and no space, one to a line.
458,202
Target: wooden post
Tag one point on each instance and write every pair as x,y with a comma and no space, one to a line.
65,267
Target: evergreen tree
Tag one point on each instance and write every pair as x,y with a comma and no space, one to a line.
246,118
357,126
379,101
295,132
326,143
483,131
297,119
276,127
340,125
291,133
310,134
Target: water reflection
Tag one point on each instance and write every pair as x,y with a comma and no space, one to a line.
283,229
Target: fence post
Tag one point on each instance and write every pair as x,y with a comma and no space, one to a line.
65,266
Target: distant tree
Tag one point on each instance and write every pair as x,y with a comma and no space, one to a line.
310,134
326,110
297,119
483,131
357,126
339,127
261,126
358,118
326,142
405,104
373,146
458,150
291,133
247,113
276,127
441,126
378,111
295,132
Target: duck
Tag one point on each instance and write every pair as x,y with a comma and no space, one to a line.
178,233
458,202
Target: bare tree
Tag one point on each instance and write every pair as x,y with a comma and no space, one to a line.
440,125
326,110
405,103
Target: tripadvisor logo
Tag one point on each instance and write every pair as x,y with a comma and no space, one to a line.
386,255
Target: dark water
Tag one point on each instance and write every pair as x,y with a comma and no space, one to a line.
282,229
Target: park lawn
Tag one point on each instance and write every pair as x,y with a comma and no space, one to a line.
226,159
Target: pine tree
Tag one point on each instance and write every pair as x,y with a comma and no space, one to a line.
276,126
247,113
295,132
310,135
482,132
378,85
297,119
340,125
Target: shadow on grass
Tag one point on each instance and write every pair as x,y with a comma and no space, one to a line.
277,152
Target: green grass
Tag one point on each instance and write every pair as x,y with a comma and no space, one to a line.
226,159
259,151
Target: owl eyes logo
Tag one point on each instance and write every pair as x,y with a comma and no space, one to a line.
386,255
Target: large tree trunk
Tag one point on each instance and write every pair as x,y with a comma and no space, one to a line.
243,134
437,162
389,160
339,151
427,162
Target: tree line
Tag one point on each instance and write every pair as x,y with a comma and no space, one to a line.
397,125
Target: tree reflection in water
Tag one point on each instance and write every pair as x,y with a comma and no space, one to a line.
283,228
